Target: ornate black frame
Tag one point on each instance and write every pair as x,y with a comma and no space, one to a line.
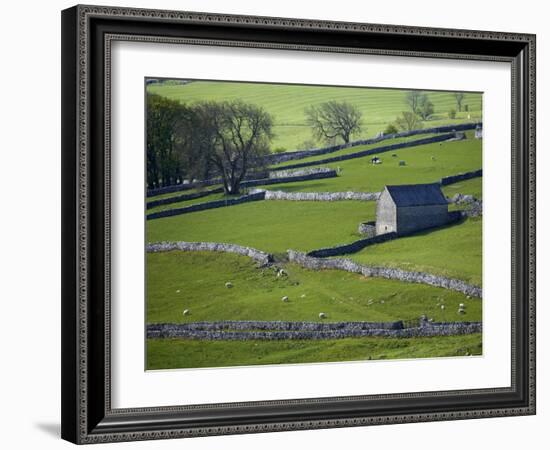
87,31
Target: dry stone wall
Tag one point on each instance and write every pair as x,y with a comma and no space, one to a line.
262,258
315,263
300,154
319,196
235,331
383,149
207,205
354,247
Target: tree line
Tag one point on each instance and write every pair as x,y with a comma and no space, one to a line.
204,140
229,139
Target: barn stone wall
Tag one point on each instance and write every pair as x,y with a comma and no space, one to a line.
416,218
386,214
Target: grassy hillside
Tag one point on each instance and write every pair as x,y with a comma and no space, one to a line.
271,226
287,103
184,353
454,251
424,164
196,281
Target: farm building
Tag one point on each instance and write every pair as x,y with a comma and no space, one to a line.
410,207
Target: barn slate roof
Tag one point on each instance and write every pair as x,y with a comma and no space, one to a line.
417,194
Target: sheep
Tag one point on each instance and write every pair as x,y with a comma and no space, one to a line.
285,299
322,315
402,163
442,307
303,296
186,312
229,284
178,291
281,273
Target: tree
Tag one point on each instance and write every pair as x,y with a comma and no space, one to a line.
391,129
163,159
408,121
459,97
334,119
425,107
237,137
413,100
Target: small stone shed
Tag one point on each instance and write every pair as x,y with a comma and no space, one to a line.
408,208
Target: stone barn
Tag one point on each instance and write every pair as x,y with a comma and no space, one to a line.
411,207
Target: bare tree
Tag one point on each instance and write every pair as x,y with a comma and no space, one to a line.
459,97
236,136
408,121
334,119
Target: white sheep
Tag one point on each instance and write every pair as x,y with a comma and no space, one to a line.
303,296
186,312
285,299
322,315
281,273
229,284
442,306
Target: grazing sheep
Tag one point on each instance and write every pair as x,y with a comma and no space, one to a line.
461,306
281,273
178,291
442,306
303,296
186,312
322,315
285,299
229,284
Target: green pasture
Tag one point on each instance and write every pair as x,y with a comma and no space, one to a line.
196,281
472,187
454,251
184,353
349,150
271,226
450,158
424,164
287,103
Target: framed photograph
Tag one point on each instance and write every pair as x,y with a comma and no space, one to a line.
281,224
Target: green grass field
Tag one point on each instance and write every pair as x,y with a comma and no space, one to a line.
195,281
271,226
449,158
183,353
287,103
256,294
454,251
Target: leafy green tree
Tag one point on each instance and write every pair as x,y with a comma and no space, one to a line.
408,121
425,107
334,119
459,97
413,100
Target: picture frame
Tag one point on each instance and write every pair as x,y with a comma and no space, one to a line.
87,413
